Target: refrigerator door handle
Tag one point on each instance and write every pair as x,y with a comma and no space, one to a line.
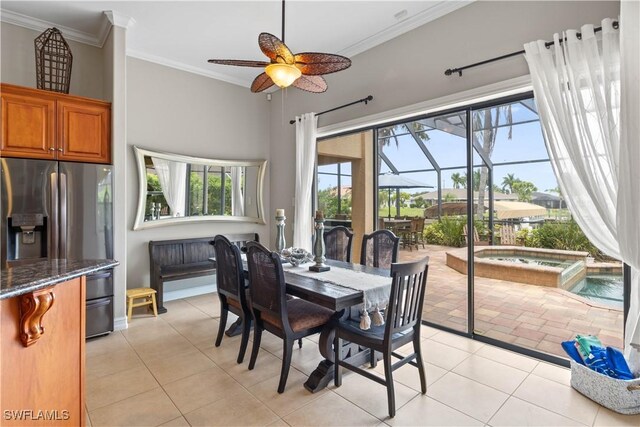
63,215
54,224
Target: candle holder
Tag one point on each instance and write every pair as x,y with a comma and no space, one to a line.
280,241
318,247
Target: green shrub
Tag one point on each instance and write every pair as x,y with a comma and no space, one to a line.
562,235
433,234
448,231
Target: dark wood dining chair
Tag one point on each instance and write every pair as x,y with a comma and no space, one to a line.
379,249
403,320
289,319
231,290
337,243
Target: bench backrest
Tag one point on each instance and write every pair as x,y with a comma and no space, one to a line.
180,251
164,253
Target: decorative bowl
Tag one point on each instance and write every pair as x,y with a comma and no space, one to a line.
296,256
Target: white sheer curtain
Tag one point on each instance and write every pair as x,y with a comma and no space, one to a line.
629,172
237,198
306,129
173,180
577,89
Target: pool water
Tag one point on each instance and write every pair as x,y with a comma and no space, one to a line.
604,289
548,262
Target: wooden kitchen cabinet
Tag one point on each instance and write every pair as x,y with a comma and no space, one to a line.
28,125
42,370
48,125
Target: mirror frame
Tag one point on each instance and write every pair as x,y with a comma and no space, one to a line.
141,224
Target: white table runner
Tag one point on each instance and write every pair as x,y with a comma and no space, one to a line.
376,289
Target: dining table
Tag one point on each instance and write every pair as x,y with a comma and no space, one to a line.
344,301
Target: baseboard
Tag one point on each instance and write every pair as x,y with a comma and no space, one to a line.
189,292
120,323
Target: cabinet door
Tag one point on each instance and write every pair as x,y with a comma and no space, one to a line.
84,131
28,126
48,375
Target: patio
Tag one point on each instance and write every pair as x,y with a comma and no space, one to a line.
530,316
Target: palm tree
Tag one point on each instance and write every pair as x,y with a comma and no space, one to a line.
524,190
507,183
458,180
485,125
559,193
476,180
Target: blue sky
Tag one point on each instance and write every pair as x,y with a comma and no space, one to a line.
450,151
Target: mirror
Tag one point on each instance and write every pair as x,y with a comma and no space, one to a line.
176,189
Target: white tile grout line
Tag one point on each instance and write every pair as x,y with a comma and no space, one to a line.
529,373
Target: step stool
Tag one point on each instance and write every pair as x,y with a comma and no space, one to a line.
149,296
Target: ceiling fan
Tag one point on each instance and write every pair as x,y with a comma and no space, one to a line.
302,70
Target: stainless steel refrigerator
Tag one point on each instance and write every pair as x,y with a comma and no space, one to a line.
62,210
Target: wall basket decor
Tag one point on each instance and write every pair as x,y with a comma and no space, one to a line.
53,61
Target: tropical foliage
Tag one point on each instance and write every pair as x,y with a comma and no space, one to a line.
214,195
524,190
328,202
566,235
449,231
458,180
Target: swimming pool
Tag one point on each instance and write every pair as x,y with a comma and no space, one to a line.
531,260
604,289
534,266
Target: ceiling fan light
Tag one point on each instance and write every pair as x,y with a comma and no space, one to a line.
283,75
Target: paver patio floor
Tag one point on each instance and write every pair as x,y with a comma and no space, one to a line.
530,316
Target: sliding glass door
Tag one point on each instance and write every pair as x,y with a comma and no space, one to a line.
422,164
538,280
507,262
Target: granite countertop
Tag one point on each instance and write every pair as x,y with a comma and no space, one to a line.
21,279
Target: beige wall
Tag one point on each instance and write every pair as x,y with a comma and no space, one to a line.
18,63
174,111
410,69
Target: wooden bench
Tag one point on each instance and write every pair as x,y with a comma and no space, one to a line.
183,259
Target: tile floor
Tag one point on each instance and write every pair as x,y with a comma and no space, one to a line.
166,371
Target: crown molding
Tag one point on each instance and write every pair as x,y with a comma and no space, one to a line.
436,11
41,25
188,68
117,19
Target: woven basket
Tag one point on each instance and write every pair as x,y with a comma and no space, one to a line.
622,396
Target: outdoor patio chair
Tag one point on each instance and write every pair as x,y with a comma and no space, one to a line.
288,319
379,249
417,231
403,319
231,290
508,235
476,237
337,243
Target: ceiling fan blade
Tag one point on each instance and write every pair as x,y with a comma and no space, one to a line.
314,63
262,82
315,84
275,49
239,62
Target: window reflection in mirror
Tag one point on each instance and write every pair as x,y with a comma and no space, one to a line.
176,188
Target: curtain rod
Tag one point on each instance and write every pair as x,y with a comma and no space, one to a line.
365,100
458,70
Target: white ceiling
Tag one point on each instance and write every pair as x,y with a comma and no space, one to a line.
184,34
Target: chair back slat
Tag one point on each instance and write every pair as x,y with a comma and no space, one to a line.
406,298
379,249
337,242
267,287
229,276
241,239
